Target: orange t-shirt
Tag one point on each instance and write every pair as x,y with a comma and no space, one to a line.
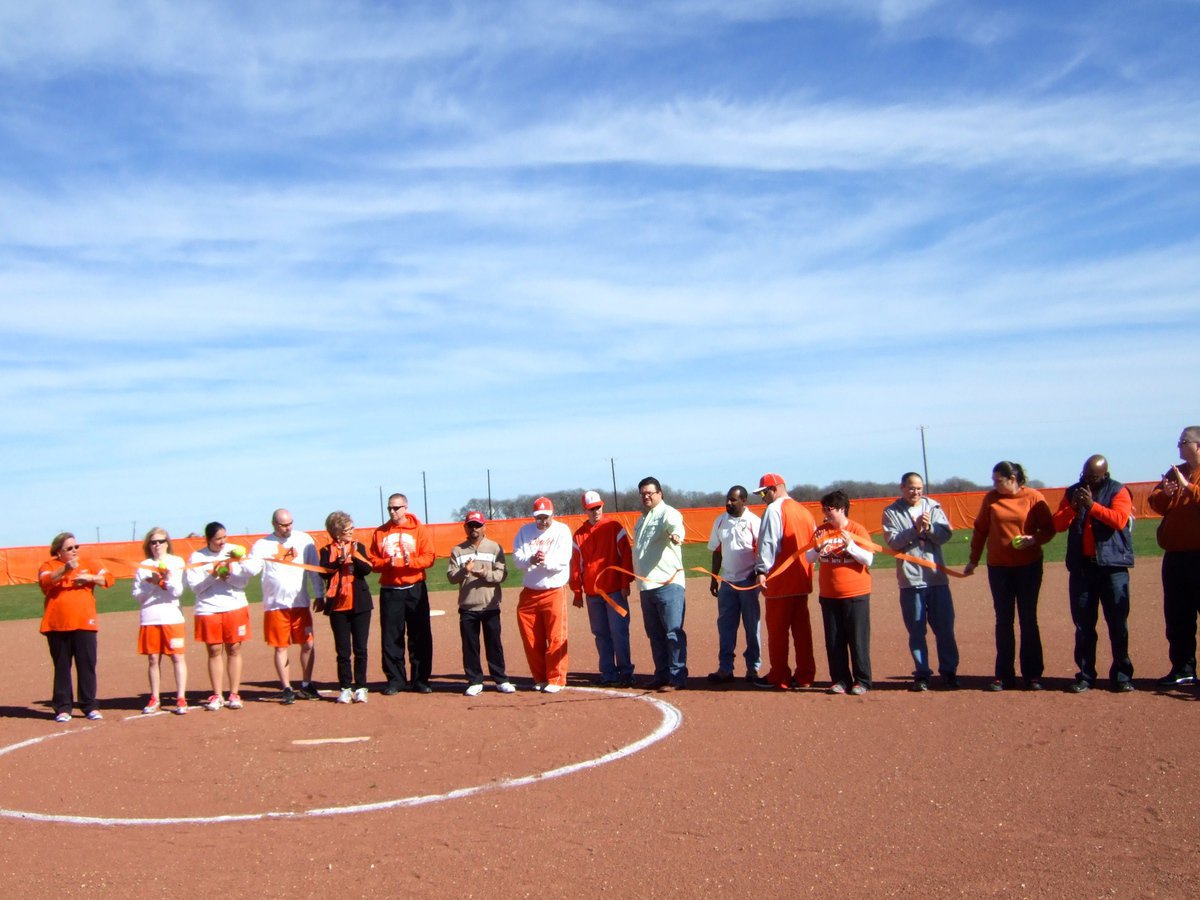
70,606
841,575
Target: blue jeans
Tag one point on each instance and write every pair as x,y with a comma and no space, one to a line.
611,631
662,613
735,606
1092,588
930,605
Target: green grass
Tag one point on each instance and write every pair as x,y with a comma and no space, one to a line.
24,601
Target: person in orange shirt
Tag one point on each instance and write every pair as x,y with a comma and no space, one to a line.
401,551
600,545
347,602
69,623
1013,523
844,582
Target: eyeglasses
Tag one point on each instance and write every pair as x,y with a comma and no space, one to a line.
394,508
73,547
158,540
648,493
474,525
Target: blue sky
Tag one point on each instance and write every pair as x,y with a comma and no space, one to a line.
263,254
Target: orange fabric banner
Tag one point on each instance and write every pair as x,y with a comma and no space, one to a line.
19,565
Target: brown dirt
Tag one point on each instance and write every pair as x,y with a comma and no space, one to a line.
759,793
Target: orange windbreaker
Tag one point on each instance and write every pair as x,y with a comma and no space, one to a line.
386,543
596,548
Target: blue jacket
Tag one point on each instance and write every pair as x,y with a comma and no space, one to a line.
1113,547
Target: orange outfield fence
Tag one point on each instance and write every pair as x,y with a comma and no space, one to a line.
19,565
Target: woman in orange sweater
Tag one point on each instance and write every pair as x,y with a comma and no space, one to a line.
69,623
1013,522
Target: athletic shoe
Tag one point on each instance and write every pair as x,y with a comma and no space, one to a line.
392,689
360,695
181,706
858,689
761,681
539,686
473,690
624,682
213,703
837,688
95,715
63,717
552,689
346,696
152,707
234,701
655,683
919,685
1078,686
1175,679
720,677
1123,687
506,687
307,692
288,697
799,685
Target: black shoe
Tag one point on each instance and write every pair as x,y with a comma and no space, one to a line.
422,687
1176,679
997,685
919,685
287,697
720,677
307,693
1033,684
1078,686
950,682
762,682
394,688
655,683
1123,687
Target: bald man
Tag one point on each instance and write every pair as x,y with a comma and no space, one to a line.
1097,514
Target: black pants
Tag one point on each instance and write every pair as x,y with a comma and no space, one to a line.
847,623
78,647
470,623
405,609
1181,603
1016,588
1091,589
350,633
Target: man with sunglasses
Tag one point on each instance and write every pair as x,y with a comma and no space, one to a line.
401,551
477,566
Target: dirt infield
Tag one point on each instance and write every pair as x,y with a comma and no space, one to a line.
756,793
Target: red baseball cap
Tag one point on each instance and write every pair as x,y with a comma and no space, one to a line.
592,499
770,480
543,507
475,516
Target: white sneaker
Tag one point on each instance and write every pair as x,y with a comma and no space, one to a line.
95,715
539,686
152,707
346,696
213,703
360,695
506,687
234,701
552,689
474,690
63,717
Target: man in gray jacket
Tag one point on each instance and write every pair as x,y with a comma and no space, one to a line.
477,567
917,525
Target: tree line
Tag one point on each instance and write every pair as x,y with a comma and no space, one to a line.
568,502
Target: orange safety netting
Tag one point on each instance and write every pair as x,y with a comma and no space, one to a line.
19,565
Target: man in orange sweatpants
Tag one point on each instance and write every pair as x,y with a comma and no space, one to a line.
542,550
785,577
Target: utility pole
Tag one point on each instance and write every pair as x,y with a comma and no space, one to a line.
425,495
613,465
924,458
382,517
489,481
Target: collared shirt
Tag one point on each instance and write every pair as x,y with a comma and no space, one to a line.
738,540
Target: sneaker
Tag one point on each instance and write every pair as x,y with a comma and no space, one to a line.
213,703
1078,686
996,685
506,687
539,686
346,696
624,682
837,688
234,701
761,681
181,706
63,717
919,685
307,692
152,707
552,689
720,677
1175,679
858,689
391,690
288,697
1123,687
798,685
360,695
95,715
473,690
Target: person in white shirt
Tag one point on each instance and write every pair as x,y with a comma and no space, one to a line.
734,542
542,551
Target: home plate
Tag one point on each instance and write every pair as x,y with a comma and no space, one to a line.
308,742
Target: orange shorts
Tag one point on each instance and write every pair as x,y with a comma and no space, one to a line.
284,627
162,639
224,628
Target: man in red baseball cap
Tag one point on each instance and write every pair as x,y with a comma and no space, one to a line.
477,566
603,544
542,550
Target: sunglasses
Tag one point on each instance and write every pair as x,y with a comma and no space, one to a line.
158,540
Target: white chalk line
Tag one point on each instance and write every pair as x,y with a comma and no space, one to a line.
312,742
672,718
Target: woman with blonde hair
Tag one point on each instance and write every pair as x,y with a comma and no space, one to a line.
157,586
348,604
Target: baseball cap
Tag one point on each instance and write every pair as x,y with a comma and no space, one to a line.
543,507
592,499
771,479
475,516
